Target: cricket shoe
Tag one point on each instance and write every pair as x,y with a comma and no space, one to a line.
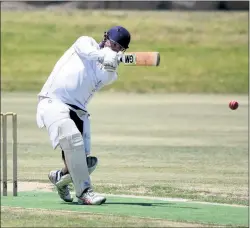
61,182
89,197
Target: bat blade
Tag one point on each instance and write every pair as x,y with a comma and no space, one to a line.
141,59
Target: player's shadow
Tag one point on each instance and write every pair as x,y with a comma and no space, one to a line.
152,204
172,205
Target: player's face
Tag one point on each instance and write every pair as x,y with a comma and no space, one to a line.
114,46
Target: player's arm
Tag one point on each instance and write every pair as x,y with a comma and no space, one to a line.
86,49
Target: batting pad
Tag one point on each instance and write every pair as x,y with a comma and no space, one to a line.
71,142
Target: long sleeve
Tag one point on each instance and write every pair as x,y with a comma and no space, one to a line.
87,48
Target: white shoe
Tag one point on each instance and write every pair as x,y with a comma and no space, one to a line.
61,183
90,198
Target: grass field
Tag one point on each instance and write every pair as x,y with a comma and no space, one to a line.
34,218
137,211
200,52
187,144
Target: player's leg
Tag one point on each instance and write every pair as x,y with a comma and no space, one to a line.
64,133
61,180
56,176
71,141
48,112
84,127
91,160
65,168
79,124
64,178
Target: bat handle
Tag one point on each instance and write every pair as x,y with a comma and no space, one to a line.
120,58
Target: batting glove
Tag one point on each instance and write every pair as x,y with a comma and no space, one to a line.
110,59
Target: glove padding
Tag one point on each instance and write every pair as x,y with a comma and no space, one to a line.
110,59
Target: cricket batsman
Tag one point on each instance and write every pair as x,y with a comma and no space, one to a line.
84,69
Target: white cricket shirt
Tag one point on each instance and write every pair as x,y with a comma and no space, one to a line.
78,74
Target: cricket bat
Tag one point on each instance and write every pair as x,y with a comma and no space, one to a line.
141,59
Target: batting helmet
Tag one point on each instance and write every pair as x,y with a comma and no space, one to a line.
119,35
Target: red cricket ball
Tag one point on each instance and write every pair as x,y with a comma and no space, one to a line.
233,105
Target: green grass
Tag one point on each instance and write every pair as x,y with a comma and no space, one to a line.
189,212
189,146
201,52
17,217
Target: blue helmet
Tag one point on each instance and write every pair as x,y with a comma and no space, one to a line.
119,35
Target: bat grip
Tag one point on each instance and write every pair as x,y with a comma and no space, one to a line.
120,58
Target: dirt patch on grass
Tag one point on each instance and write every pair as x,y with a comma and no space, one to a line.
31,186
